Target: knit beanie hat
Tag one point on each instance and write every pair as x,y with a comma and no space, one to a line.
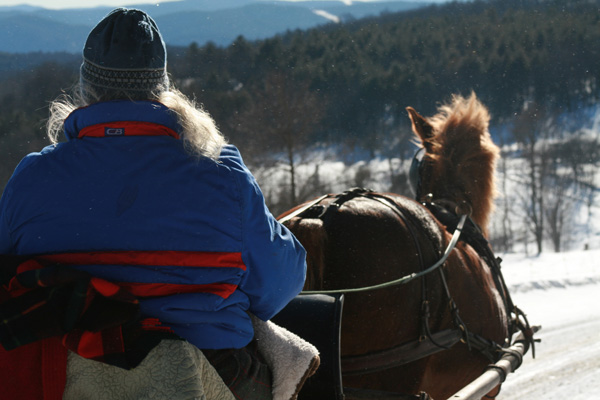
125,52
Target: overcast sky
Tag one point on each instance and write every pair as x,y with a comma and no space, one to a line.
114,3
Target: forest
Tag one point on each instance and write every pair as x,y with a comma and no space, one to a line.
534,63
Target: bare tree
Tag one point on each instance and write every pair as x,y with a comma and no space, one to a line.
559,207
279,124
531,129
581,155
503,238
559,171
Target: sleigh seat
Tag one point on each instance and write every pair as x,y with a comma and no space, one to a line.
317,318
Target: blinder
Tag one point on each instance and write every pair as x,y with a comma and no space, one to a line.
414,173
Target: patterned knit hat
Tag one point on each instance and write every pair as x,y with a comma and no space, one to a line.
125,52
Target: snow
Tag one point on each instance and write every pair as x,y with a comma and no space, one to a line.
560,292
327,15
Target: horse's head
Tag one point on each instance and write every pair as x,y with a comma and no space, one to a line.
460,156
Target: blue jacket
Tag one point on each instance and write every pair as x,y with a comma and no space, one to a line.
190,236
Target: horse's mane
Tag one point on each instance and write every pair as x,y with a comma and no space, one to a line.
461,114
461,142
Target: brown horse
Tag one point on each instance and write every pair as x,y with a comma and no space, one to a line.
393,337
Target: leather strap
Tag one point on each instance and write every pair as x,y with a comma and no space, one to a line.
400,355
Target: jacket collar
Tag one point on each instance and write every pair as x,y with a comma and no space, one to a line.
122,118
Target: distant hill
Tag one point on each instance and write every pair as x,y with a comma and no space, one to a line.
27,29
25,33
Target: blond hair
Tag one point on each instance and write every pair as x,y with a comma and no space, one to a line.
200,134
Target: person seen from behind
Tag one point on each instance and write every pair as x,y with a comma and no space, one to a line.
145,202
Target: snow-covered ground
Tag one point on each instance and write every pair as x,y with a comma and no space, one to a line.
560,292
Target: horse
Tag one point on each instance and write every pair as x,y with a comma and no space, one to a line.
437,330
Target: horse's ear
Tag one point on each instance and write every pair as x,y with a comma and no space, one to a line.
421,128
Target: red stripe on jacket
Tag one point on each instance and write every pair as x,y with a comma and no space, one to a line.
223,290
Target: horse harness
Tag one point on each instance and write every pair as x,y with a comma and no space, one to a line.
428,343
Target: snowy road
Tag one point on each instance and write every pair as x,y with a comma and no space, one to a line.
561,293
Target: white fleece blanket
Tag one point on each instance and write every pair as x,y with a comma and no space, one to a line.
292,359
177,370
